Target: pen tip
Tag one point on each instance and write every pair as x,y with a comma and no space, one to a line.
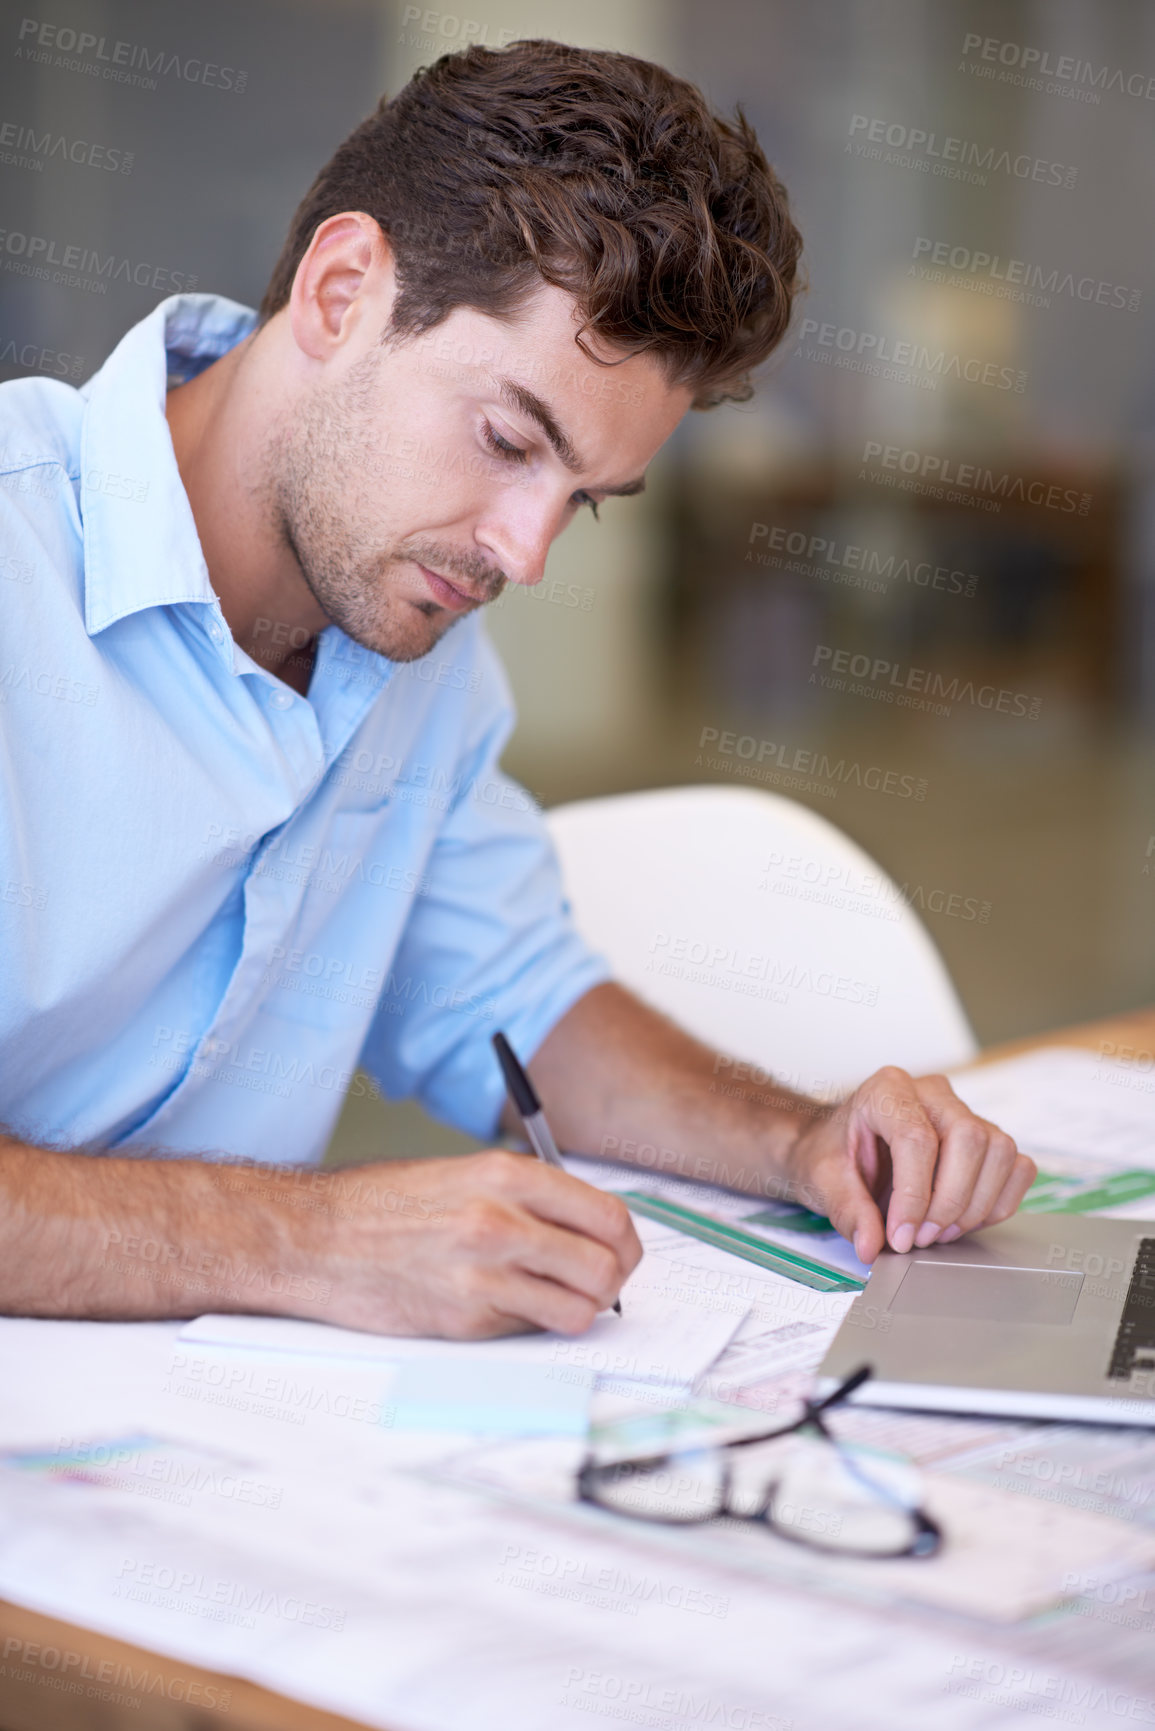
617,1307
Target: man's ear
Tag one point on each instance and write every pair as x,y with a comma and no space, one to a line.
346,275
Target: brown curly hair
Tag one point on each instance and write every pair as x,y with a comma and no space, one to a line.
602,174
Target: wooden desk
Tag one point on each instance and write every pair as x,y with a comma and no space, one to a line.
57,1677
1130,1038
35,1696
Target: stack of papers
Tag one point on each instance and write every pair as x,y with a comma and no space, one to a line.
264,1497
535,1384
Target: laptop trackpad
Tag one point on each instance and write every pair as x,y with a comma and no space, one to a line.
984,1294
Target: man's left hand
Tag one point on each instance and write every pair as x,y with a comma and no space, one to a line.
903,1162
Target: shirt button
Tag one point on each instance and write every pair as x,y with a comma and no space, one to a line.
215,631
281,699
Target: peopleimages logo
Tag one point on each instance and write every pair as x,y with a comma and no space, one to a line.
447,27
105,1680
35,358
859,567
121,62
867,351
949,157
942,478
804,769
1019,63
664,1706
749,972
937,692
872,893
46,259
1015,279
24,147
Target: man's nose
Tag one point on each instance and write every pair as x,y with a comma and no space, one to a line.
519,536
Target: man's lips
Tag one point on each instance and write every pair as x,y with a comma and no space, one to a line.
447,594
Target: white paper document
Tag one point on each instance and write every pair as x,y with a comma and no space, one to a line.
661,1337
1062,1100
359,1620
347,1586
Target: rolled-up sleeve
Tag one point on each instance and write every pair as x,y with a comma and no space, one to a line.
490,944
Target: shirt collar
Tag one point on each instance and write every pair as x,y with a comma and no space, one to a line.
141,547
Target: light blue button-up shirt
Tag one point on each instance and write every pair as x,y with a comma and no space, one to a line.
218,897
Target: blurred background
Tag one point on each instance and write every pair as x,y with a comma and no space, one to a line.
949,467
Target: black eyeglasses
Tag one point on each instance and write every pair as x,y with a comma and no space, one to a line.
833,1496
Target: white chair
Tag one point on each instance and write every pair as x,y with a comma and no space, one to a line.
760,928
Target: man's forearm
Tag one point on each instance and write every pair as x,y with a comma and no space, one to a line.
466,1248
620,1081
100,1236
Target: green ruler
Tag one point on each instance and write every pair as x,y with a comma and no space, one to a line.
717,1232
1053,1193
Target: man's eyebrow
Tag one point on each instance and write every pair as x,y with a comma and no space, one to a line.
530,404
520,397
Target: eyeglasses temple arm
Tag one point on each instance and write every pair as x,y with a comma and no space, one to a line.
844,1389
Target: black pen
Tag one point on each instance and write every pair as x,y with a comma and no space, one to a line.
528,1108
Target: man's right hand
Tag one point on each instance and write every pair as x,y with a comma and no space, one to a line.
490,1244
468,1248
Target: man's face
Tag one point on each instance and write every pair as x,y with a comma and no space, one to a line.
416,479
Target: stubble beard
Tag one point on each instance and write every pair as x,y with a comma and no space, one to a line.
309,461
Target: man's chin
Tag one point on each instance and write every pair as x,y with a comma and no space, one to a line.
412,645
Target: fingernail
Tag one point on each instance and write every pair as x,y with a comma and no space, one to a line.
927,1233
902,1237
951,1233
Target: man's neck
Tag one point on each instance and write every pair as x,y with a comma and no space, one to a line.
218,432
297,667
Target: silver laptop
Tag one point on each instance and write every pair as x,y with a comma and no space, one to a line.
1046,1316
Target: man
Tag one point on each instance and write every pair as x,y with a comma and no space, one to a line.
256,832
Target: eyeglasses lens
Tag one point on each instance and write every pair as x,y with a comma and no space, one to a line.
846,1500
686,1487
